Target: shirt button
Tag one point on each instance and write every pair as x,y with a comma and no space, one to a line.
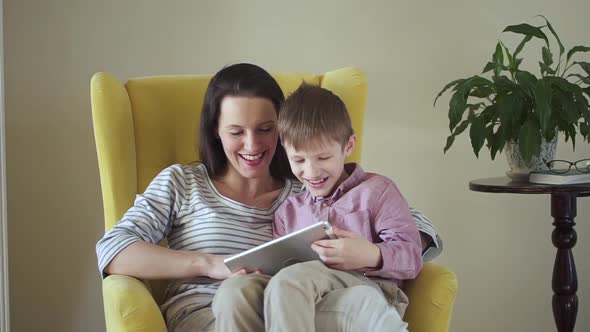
324,204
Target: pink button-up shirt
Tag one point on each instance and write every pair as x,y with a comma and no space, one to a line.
370,205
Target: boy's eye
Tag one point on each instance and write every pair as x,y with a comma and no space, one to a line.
325,158
265,130
235,133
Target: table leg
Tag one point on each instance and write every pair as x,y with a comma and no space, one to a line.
565,280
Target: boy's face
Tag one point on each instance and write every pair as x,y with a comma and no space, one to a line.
319,164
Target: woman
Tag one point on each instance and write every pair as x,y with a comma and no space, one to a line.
221,207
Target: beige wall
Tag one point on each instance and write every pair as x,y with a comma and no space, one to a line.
499,245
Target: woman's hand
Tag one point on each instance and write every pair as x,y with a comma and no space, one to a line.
349,252
218,269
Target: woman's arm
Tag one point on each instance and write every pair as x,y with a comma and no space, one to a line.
131,247
151,261
431,242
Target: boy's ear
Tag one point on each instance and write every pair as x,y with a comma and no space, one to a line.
350,145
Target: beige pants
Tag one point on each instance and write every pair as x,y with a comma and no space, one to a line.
307,297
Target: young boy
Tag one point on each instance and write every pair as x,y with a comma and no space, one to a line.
378,242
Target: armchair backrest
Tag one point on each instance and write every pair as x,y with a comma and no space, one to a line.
149,123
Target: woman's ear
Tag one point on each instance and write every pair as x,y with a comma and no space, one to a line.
350,145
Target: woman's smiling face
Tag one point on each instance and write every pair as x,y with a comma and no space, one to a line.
248,132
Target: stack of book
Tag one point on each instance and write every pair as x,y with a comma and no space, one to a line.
573,176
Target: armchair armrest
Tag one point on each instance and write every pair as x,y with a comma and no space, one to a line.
432,295
129,306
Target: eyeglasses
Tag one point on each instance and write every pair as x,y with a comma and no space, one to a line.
563,166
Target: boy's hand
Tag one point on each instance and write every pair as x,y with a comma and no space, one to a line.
349,252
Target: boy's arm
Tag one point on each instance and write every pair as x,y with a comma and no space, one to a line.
278,225
401,247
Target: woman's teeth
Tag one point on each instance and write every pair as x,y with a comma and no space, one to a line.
252,157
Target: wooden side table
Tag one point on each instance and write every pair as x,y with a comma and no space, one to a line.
563,211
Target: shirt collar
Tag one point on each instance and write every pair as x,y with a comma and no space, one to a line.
356,175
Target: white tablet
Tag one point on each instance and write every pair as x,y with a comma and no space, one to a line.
287,250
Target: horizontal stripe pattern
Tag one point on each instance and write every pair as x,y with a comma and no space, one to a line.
182,205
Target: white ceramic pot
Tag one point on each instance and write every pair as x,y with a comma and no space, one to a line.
519,170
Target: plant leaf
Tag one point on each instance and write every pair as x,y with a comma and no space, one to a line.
569,130
458,130
564,84
543,95
561,48
527,30
489,66
490,138
503,84
448,86
496,141
572,106
529,140
457,106
576,49
458,102
584,79
528,81
474,107
547,56
493,66
546,69
500,139
582,104
490,113
498,59
461,128
482,92
477,134
450,141
585,66
567,108
511,63
520,46
506,104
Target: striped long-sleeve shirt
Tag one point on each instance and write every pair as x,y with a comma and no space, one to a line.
182,205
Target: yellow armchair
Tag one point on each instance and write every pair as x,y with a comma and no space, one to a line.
150,123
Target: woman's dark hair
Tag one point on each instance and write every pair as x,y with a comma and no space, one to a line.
246,80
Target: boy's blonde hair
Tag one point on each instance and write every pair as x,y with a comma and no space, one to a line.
311,113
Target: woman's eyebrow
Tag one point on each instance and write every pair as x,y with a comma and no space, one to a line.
230,126
267,122
233,126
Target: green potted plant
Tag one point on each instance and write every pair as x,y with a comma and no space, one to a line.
515,108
